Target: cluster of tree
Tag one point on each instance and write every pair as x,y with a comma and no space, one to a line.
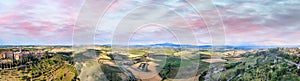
278,72
202,76
171,68
205,56
264,69
231,65
247,54
47,67
291,57
267,70
44,67
112,72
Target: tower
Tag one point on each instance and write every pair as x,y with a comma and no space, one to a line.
13,58
20,50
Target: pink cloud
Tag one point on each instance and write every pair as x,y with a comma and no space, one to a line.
5,19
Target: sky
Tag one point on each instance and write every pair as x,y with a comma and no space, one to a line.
245,22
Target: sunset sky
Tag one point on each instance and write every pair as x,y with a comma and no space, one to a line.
246,22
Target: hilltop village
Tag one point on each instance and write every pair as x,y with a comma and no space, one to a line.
19,57
21,54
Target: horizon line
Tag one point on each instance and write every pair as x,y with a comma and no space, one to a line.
144,45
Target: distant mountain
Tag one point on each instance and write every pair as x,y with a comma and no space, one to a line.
207,46
172,45
166,44
181,45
